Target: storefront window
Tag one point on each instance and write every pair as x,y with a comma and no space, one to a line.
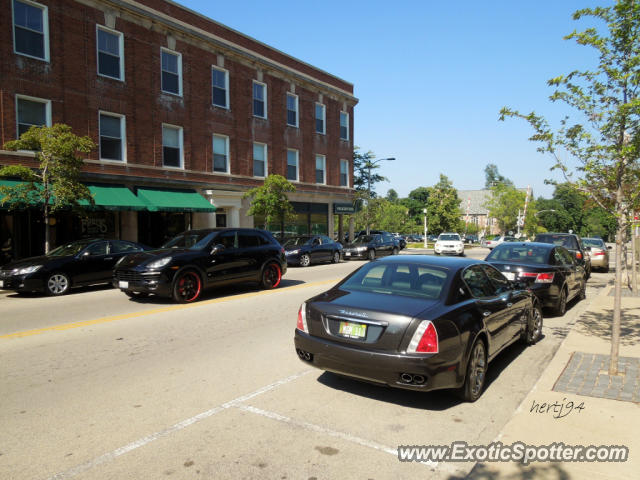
319,223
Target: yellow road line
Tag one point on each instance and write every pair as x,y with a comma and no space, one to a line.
144,313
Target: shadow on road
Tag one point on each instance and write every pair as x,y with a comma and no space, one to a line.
482,471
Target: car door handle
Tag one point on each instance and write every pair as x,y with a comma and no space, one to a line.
486,314
108,258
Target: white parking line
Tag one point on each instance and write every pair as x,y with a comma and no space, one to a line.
107,457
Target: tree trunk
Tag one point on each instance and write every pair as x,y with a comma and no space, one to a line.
617,300
47,233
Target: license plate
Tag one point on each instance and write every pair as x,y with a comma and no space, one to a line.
347,254
123,284
509,275
353,330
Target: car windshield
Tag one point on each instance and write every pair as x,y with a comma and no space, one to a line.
195,240
566,241
72,248
403,279
364,239
519,254
449,237
593,242
297,241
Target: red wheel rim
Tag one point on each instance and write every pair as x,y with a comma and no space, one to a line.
273,275
189,286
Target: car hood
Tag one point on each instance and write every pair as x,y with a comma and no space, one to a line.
27,262
141,258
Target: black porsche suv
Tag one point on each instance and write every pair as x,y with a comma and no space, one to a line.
199,259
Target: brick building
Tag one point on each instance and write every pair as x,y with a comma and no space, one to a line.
187,114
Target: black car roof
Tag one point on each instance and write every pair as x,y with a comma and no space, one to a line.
548,246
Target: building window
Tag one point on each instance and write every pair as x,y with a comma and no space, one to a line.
110,53
31,29
220,83
32,111
344,126
112,136
259,160
221,153
321,164
321,114
292,165
171,146
171,72
259,99
344,173
292,110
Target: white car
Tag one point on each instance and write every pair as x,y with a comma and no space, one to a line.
449,243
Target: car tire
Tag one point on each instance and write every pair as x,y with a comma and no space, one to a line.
58,283
605,269
305,260
132,294
271,276
561,306
187,286
476,373
371,254
336,257
533,332
394,251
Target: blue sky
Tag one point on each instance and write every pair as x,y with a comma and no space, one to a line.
431,76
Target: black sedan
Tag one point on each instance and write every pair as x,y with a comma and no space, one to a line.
551,271
197,260
307,249
371,246
418,323
75,264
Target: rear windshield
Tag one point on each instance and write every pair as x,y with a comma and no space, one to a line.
562,240
593,242
409,280
449,236
520,254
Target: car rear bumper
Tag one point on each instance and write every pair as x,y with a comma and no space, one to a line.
599,261
375,367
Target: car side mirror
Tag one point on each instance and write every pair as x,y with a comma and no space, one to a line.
217,249
609,247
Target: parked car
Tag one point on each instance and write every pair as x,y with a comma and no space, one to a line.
571,242
402,242
598,253
197,260
449,243
383,233
470,239
74,264
550,271
417,322
371,246
307,249
492,242
432,238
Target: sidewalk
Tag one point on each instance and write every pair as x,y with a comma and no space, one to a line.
578,374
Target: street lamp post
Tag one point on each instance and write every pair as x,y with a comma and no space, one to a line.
370,164
425,227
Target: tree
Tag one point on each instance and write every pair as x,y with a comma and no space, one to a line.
392,195
364,171
416,202
504,205
493,177
605,140
55,184
270,200
443,207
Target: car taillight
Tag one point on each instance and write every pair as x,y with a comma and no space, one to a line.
425,339
302,319
546,277
597,254
579,255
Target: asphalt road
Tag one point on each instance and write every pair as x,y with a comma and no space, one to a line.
97,386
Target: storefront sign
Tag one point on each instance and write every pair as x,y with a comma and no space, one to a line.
344,208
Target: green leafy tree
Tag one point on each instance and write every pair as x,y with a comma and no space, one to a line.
416,203
55,184
443,208
271,202
493,177
504,204
365,175
604,135
392,195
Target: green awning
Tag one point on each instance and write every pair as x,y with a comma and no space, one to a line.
113,197
32,198
173,200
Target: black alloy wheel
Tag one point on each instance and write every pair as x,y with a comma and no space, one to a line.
533,332
476,373
271,276
561,306
187,287
371,255
58,283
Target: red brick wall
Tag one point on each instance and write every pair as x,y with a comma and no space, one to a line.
77,93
